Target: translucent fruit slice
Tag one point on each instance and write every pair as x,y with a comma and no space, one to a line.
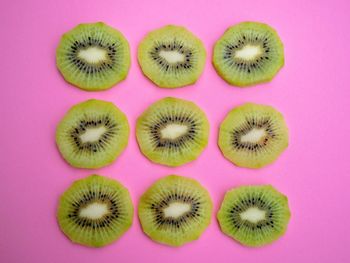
175,210
95,211
253,135
172,131
254,215
171,57
93,56
248,53
92,134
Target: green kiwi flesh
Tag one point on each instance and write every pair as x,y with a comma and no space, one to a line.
92,134
172,131
248,53
175,210
95,211
253,135
171,57
254,215
93,57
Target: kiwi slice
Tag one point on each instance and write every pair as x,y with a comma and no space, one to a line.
171,57
92,134
248,53
93,56
175,210
254,215
253,135
172,131
95,211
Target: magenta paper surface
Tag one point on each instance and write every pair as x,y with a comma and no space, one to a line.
312,91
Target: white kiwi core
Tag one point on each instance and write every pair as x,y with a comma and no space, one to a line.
92,134
93,55
173,131
254,136
253,215
172,56
248,52
176,209
94,210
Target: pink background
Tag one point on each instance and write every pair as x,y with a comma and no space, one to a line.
312,91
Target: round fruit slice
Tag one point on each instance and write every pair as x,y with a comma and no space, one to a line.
172,57
248,53
92,134
254,215
175,210
172,131
95,211
253,135
93,56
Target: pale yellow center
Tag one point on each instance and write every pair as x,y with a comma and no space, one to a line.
176,209
94,210
254,135
248,52
172,56
93,55
92,134
253,215
173,131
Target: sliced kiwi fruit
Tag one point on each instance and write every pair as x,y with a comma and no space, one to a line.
253,135
175,210
254,215
171,57
92,134
248,53
95,211
172,131
93,57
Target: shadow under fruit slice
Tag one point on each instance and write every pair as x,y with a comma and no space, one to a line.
172,131
175,210
171,57
248,53
95,211
253,135
93,56
254,215
92,134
